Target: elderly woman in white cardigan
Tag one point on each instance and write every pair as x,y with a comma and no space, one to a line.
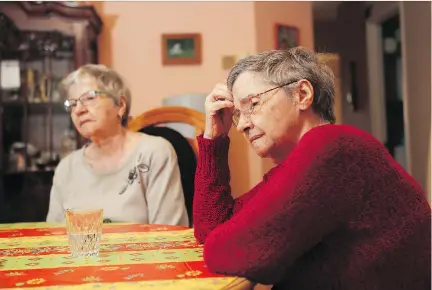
132,176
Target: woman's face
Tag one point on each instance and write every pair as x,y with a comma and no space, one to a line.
99,116
274,126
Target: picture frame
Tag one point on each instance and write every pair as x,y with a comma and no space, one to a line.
181,49
286,36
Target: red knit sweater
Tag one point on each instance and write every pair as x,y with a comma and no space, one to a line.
338,213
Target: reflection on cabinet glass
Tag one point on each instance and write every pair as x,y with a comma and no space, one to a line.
36,131
34,116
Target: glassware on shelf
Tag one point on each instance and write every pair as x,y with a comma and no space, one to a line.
55,93
43,87
21,157
47,161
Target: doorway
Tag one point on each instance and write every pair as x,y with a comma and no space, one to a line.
392,69
385,76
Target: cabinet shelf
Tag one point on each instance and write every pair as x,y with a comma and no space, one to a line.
9,173
37,108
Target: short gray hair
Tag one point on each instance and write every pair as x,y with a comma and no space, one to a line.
279,67
107,79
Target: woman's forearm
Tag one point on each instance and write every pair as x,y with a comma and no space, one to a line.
212,199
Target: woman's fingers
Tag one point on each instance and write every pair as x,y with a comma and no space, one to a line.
219,98
219,105
220,92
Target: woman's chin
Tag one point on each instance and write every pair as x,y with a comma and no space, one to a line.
86,133
260,150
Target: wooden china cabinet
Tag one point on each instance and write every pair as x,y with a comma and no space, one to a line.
40,43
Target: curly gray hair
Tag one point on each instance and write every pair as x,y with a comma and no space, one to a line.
107,79
279,67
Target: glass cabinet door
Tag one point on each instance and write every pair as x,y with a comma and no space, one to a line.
37,131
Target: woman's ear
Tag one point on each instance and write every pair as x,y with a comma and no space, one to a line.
122,110
306,95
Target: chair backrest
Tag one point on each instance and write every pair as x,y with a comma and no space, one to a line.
186,148
186,161
171,114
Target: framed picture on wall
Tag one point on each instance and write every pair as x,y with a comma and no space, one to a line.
181,49
286,36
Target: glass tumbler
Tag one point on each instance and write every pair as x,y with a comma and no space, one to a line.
84,229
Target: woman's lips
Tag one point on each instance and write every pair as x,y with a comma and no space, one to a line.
255,137
84,122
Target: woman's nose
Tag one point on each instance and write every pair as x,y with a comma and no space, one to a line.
244,123
79,108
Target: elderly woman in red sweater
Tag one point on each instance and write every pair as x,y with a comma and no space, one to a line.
337,212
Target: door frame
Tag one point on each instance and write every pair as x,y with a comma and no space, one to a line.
380,12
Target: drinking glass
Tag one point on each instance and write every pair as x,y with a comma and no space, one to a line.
84,229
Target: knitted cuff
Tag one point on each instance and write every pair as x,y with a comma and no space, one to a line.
213,156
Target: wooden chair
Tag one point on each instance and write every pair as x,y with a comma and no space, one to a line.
165,115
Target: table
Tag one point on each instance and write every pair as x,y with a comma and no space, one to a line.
36,256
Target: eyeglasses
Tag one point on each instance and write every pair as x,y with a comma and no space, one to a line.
85,99
249,108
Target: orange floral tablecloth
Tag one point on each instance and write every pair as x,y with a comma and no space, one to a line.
36,256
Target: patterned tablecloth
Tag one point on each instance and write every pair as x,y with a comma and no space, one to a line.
36,256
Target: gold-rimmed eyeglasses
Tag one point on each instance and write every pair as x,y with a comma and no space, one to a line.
85,99
248,107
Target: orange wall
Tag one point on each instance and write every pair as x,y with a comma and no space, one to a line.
131,43
298,14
